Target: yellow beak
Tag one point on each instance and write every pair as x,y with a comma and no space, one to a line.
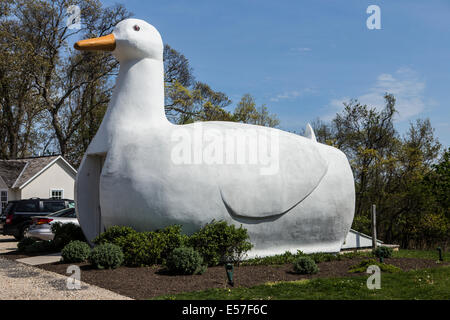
105,43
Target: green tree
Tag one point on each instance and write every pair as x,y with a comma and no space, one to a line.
368,138
51,94
188,100
439,181
408,201
19,109
53,98
247,112
397,173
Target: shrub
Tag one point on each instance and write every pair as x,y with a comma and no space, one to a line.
322,257
382,252
65,233
171,238
185,260
138,250
305,265
277,259
219,242
289,257
363,265
40,246
113,234
353,255
106,256
76,251
24,243
144,248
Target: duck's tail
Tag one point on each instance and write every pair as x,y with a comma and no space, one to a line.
309,133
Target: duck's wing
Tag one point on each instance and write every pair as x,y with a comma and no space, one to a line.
288,168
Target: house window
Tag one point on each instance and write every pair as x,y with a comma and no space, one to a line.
3,199
57,194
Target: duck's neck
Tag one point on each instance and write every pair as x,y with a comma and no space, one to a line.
139,94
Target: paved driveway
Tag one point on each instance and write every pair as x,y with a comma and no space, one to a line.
7,244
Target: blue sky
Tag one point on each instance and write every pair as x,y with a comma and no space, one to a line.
303,58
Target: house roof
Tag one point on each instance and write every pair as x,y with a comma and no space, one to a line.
16,173
10,170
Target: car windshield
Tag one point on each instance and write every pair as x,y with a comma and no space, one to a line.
69,212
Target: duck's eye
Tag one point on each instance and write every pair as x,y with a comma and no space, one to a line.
136,28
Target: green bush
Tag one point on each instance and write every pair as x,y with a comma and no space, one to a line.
138,250
363,265
24,243
324,257
289,257
277,259
305,265
41,247
353,255
106,256
75,251
144,248
216,242
171,238
382,252
65,233
185,260
113,234
219,242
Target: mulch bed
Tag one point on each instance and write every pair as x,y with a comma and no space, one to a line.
15,255
148,282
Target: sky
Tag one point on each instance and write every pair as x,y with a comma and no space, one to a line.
303,58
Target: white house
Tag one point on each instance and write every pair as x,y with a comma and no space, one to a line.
40,177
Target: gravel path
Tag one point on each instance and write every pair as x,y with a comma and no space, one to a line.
23,282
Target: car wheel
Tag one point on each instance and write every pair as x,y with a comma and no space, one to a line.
22,233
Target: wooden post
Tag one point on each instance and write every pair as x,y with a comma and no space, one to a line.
374,226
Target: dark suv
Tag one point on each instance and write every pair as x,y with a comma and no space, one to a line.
17,214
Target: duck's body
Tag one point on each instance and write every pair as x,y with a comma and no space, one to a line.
142,171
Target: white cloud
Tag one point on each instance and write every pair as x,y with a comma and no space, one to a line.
289,95
335,106
386,77
404,84
298,51
301,49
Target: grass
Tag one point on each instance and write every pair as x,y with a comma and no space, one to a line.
431,284
288,257
421,254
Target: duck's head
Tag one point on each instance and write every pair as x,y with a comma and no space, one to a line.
132,39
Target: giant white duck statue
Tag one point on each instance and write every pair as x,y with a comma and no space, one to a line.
290,192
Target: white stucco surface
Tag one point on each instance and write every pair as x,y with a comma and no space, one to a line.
290,192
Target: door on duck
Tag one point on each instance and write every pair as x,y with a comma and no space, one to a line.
101,227
88,195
